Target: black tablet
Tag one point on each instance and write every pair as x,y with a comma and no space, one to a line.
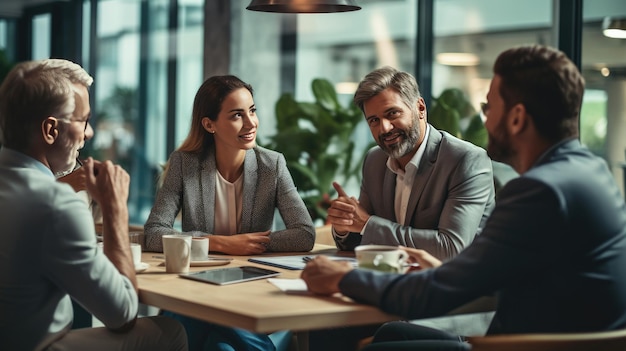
231,275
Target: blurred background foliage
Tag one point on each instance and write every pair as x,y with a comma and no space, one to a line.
316,139
453,112
5,65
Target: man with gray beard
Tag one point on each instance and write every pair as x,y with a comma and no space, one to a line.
421,187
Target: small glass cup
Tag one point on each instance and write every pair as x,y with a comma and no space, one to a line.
137,238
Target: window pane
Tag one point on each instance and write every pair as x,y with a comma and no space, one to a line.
154,120
292,50
190,65
7,46
468,38
41,37
116,87
480,30
131,87
603,125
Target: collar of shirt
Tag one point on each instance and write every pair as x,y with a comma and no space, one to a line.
20,159
411,168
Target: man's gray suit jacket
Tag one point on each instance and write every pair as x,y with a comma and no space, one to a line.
189,185
452,196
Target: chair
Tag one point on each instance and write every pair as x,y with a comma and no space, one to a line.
599,341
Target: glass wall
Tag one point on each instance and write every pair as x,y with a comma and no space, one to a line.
147,60
468,36
189,62
40,27
291,51
116,84
132,84
603,116
7,46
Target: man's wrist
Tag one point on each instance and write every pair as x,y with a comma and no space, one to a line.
340,234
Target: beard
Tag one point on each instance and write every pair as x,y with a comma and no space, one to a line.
409,138
499,148
63,161
67,171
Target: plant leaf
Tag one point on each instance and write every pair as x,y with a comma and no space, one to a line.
476,133
286,110
325,94
445,118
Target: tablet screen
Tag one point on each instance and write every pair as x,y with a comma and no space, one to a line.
231,275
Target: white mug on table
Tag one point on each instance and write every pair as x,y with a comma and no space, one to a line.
135,249
381,258
199,249
177,251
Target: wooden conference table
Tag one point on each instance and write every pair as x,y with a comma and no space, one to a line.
257,306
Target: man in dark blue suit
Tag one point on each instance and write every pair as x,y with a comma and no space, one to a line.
554,247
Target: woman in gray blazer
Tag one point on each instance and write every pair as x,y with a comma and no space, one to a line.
228,189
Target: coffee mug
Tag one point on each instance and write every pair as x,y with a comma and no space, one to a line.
135,249
177,251
199,248
381,258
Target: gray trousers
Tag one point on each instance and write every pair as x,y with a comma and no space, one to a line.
149,333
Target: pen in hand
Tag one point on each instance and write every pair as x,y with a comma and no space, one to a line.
307,259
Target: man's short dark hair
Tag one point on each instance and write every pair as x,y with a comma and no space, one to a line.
547,83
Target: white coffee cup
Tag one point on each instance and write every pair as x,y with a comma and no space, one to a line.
135,249
381,258
137,238
199,249
177,251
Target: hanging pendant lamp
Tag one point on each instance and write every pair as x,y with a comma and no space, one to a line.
303,6
614,27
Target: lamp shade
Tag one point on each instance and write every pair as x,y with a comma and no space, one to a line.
614,27
303,6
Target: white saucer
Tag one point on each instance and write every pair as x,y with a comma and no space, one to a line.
142,266
210,262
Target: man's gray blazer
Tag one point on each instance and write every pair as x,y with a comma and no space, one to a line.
452,196
189,185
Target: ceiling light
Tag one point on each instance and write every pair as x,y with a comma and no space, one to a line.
605,71
614,27
303,6
457,59
346,87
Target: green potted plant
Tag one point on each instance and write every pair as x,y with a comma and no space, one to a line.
453,112
315,138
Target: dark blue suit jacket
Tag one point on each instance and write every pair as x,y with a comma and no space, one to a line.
553,249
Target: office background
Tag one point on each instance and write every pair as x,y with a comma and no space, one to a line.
149,57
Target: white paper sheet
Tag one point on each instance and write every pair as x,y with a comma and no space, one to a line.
291,286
